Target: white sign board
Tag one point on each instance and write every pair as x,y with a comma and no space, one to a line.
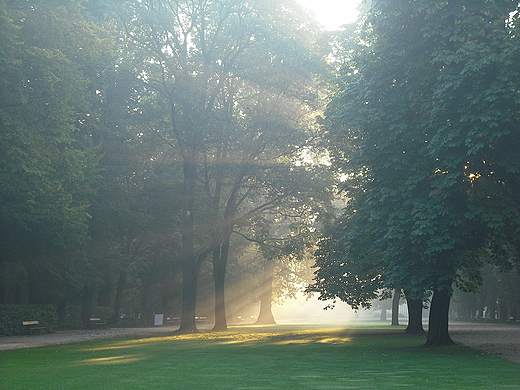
158,319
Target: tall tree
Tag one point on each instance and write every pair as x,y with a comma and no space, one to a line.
285,255
273,195
423,105
216,69
47,167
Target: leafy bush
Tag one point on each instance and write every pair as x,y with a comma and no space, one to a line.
103,312
12,316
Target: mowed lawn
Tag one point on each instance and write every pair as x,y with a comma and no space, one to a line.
280,357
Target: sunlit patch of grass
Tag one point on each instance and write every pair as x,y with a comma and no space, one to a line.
335,340
279,357
320,340
243,335
111,360
112,347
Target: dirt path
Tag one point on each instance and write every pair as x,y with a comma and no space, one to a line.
77,336
502,340
499,339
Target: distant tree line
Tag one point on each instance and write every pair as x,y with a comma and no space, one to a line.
498,297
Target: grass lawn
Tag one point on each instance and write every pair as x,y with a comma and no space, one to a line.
280,357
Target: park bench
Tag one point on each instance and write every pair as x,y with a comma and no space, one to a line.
177,320
33,326
97,323
173,320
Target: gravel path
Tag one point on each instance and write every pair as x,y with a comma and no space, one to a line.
502,340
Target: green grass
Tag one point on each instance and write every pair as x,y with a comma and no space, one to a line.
283,357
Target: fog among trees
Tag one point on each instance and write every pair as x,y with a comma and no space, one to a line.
203,159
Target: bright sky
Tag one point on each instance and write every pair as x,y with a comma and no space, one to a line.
332,13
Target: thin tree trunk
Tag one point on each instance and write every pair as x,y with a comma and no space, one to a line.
3,288
438,334
61,310
103,296
395,307
265,316
146,313
415,309
87,306
121,283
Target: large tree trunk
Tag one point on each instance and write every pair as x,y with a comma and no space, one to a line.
220,253
395,307
220,259
415,310
189,296
438,334
190,268
265,316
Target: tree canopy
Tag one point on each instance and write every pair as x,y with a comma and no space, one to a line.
47,165
425,106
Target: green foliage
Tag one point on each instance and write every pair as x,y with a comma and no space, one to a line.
12,316
47,173
422,124
228,88
103,312
47,164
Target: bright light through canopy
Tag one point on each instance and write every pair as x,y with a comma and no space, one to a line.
333,13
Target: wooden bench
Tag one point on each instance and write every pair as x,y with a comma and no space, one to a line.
177,320
173,321
97,323
33,326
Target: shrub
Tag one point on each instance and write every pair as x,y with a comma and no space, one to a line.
103,312
12,316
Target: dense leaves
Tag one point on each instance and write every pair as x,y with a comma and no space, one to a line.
151,132
423,123
46,172
47,164
234,84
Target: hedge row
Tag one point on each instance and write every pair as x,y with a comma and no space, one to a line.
12,317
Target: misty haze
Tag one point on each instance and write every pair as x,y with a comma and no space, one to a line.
187,184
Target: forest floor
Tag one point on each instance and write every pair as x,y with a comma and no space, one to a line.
500,339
